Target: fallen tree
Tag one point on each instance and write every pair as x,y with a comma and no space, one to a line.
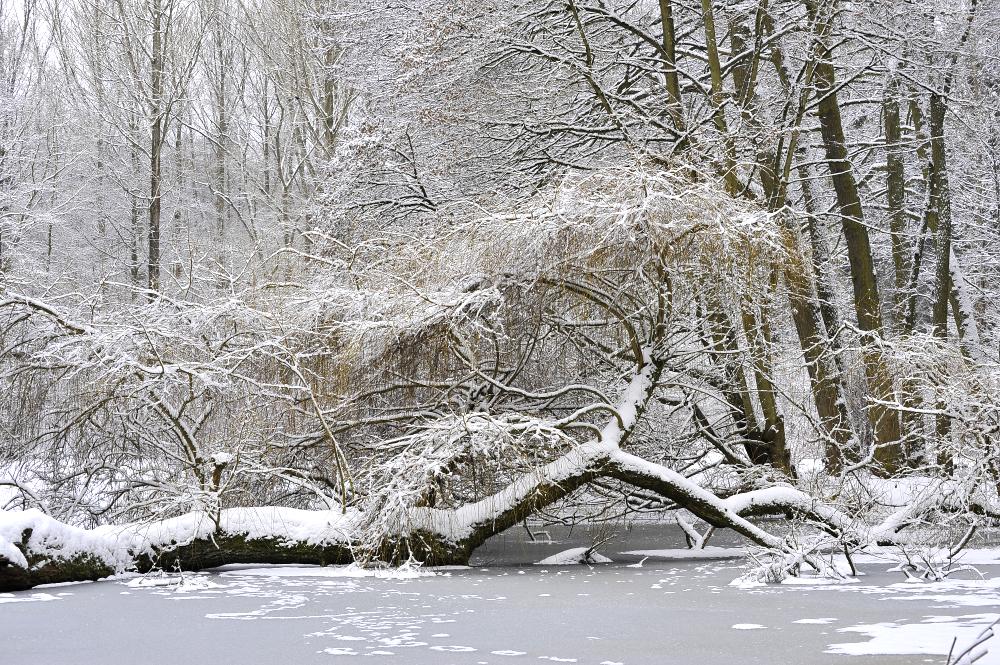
36,549
413,399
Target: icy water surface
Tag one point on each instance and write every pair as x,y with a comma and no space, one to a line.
502,610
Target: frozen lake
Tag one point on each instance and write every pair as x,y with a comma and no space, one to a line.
502,610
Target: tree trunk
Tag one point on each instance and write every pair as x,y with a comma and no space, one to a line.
155,148
896,197
885,420
717,98
671,80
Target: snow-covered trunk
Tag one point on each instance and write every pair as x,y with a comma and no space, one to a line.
963,311
683,491
37,549
455,533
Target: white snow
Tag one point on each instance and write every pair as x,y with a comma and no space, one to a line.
708,552
52,537
340,651
11,553
820,621
22,598
747,626
117,545
456,649
351,570
950,592
575,555
934,635
818,580
178,582
809,468
313,527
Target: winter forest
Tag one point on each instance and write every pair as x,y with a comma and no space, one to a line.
363,286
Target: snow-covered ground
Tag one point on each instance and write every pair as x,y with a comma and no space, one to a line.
666,611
